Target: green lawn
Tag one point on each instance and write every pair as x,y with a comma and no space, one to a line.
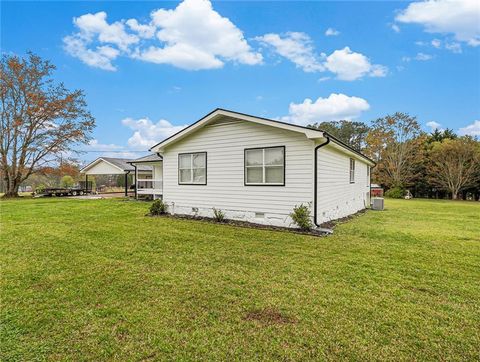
97,280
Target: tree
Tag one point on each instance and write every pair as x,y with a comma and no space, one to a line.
395,143
352,133
67,181
40,120
454,164
439,136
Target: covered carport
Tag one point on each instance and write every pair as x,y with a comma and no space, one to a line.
114,166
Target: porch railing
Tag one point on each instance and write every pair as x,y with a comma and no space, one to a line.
149,186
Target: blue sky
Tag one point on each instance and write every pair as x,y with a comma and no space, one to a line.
149,68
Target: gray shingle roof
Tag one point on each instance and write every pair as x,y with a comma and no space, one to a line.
124,164
149,158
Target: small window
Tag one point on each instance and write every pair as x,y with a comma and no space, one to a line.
192,168
265,166
352,170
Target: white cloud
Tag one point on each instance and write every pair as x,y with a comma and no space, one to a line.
423,57
454,47
146,133
95,25
395,28
197,37
332,32
192,36
436,43
348,65
471,130
98,149
335,107
420,57
145,31
182,56
97,146
434,125
421,43
457,17
296,47
101,57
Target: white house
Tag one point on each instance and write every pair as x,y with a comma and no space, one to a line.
256,169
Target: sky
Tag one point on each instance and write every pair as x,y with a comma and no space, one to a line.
148,69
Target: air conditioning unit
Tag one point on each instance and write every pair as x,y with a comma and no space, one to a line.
377,203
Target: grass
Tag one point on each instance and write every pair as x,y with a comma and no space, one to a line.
97,280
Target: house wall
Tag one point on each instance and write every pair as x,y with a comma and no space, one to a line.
103,168
157,171
337,197
225,189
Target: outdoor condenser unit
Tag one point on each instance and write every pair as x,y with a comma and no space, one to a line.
377,203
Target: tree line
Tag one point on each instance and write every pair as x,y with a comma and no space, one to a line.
440,164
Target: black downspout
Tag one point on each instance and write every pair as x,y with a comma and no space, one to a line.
86,183
315,178
126,183
135,183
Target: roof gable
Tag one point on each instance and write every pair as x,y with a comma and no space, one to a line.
111,166
218,114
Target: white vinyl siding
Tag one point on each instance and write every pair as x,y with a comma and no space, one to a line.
265,166
225,145
337,197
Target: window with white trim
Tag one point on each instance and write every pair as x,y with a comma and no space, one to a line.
192,168
352,170
265,166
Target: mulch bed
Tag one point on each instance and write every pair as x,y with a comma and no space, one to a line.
314,232
244,224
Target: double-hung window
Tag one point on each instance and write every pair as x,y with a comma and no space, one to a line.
192,168
265,166
352,170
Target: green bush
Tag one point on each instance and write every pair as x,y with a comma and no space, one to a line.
218,215
395,193
158,207
301,217
67,181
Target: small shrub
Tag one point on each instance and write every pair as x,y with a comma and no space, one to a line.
218,215
67,181
301,217
40,188
395,193
158,208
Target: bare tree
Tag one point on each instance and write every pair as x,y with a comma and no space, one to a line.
395,143
40,120
454,164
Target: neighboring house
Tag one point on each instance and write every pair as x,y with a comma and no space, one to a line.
256,169
116,166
